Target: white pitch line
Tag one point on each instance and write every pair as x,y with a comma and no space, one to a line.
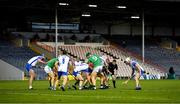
107,97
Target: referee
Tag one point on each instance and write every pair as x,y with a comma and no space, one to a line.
112,67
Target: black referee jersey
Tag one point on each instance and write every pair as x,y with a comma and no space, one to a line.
112,67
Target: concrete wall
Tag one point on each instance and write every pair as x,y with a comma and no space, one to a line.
162,31
9,72
120,29
77,44
136,29
100,28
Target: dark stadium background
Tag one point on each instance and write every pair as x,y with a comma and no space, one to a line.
27,29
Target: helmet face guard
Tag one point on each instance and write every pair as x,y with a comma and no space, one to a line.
127,60
88,54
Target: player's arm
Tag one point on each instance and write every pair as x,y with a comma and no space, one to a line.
132,74
138,68
70,67
70,62
88,61
41,61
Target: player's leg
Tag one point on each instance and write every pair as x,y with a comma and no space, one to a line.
59,74
85,83
80,78
32,76
96,70
104,72
56,84
49,79
101,75
138,87
85,71
51,74
55,72
102,78
64,82
114,80
93,78
64,78
105,79
87,79
55,80
76,79
76,83
68,84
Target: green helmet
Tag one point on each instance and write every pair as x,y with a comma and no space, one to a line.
87,54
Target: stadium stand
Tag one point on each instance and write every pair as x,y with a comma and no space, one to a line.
18,57
157,55
21,55
163,57
111,52
120,54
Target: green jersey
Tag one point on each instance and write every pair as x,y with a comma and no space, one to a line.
51,62
96,60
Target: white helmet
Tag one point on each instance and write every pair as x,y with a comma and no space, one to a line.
128,59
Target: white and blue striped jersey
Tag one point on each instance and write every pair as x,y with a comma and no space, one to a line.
133,66
33,61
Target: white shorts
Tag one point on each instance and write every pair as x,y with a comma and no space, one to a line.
98,69
47,69
63,68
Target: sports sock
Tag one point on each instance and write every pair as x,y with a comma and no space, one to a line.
102,86
30,87
77,82
50,83
114,83
80,87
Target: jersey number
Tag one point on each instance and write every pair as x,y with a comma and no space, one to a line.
63,61
94,58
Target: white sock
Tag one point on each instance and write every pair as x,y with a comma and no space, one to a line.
80,87
30,87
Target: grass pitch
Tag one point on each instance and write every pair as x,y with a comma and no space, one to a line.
153,91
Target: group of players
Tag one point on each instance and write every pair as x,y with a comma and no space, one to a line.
84,72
